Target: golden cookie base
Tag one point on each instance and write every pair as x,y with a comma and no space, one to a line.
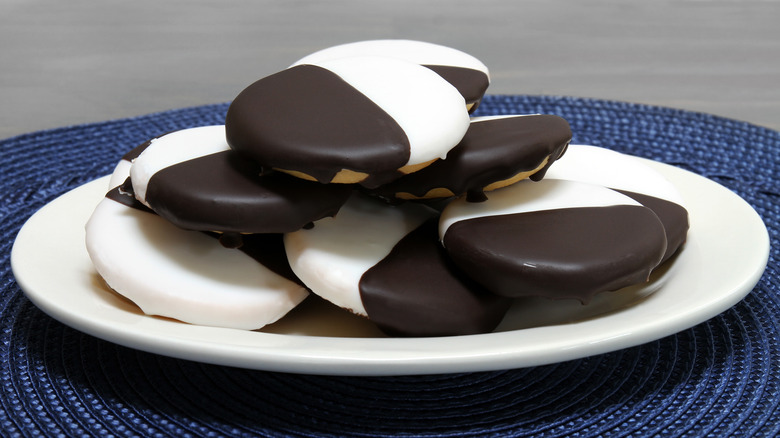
441,192
346,176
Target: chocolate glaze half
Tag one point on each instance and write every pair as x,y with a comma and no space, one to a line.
560,253
492,150
307,119
418,291
226,192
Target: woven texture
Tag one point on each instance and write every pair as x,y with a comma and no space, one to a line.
720,378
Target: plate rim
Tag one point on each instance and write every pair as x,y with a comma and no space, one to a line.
383,356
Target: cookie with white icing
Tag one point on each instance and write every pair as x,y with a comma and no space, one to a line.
386,263
465,72
188,275
633,178
553,238
364,120
496,152
194,180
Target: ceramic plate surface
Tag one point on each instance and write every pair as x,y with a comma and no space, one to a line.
723,259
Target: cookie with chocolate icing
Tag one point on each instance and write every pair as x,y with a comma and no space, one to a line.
495,152
633,178
386,263
465,72
188,275
195,181
553,238
366,120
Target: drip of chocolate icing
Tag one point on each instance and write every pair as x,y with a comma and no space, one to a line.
492,150
560,253
225,192
308,119
673,216
471,83
266,249
417,291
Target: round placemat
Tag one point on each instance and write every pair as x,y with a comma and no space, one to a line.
720,378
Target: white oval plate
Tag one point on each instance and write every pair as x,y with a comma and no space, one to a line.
723,259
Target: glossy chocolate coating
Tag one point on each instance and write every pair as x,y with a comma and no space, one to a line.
227,193
559,253
673,216
417,291
266,249
492,150
308,119
471,83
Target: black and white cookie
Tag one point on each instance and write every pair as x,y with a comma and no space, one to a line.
553,238
194,180
496,151
364,120
465,72
188,275
386,263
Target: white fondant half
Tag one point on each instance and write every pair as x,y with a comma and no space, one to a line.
185,275
332,257
418,52
174,148
120,174
597,165
526,196
429,109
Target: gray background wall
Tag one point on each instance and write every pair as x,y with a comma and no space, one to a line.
79,61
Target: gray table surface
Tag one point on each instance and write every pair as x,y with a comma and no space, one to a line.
85,61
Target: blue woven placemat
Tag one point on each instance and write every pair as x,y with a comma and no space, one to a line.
720,378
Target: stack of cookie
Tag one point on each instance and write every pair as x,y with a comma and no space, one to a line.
358,174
